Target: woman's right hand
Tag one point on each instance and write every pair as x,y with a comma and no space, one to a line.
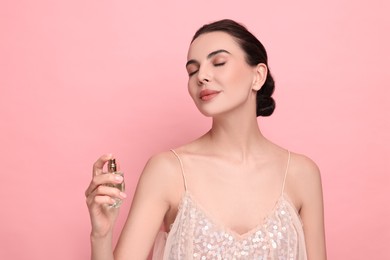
99,197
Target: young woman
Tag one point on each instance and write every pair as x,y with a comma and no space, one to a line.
231,193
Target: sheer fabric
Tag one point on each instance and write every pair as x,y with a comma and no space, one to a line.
195,235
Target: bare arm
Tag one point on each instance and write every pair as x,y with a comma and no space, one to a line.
309,185
150,204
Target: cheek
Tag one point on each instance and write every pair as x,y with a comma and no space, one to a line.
239,78
191,89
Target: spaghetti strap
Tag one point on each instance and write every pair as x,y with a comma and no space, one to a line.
285,174
182,168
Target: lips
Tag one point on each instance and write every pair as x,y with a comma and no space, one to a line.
208,94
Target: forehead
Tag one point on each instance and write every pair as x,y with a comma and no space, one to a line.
212,41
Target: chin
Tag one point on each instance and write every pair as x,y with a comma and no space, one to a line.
210,113
212,110
207,114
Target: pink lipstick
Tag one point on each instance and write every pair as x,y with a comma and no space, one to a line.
208,94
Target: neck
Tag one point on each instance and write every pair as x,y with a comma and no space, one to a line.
237,135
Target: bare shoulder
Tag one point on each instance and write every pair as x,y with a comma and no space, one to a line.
304,178
162,163
303,169
161,174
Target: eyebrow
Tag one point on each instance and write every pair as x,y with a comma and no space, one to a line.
209,56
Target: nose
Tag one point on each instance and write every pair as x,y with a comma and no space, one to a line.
203,76
203,81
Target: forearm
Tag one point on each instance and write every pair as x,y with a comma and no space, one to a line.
101,248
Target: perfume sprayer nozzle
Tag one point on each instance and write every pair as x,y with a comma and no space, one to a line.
111,165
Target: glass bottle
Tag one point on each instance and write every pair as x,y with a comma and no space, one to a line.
112,169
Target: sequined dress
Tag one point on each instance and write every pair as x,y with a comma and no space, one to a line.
194,235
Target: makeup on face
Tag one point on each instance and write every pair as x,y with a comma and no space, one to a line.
193,65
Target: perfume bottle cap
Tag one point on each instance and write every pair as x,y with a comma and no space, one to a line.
111,165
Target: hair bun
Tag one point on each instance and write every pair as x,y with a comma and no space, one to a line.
265,102
265,105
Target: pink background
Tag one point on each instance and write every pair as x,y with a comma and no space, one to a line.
83,78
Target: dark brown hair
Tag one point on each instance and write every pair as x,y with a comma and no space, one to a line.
255,54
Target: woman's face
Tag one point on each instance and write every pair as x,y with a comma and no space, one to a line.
220,80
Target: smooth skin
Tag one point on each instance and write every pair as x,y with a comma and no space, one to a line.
233,171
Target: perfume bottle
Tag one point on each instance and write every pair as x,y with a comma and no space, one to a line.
112,169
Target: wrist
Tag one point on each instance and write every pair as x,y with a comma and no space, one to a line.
101,246
98,236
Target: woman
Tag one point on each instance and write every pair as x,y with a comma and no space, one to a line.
229,194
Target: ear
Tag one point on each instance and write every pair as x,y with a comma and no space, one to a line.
260,76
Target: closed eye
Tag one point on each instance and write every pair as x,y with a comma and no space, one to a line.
192,73
219,64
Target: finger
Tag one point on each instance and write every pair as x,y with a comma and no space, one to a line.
99,164
102,193
104,200
109,191
101,180
99,201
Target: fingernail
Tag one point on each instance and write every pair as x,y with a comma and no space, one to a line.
123,195
118,178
